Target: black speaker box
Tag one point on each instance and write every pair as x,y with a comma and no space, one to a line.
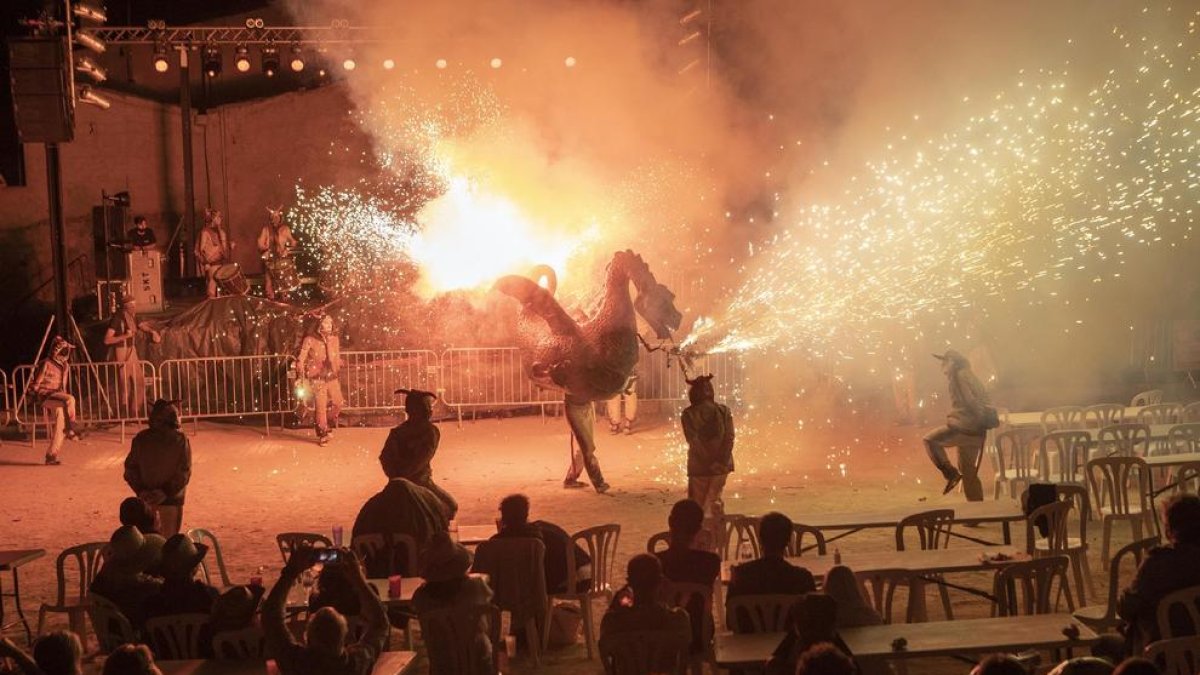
42,106
109,224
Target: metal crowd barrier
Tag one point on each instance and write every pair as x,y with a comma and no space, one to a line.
105,392
369,379
228,386
490,377
661,379
5,401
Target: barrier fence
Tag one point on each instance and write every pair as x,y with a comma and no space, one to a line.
107,392
490,377
228,386
370,379
5,400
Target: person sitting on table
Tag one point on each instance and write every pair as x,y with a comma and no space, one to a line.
136,512
400,507
181,592
514,522
324,650
449,586
637,607
825,659
1136,665
811,620
683,564
852,608
771,573
1000,664
123,579
56,653
1163,570
130,659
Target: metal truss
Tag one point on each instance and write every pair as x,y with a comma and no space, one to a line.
199,36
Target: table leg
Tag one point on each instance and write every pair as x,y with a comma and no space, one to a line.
917,611
1007,533
17,603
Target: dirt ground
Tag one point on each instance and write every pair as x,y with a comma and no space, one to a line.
248,485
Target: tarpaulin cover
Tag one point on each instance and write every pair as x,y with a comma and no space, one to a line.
238,325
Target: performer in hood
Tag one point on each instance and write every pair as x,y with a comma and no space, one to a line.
320,362
966,427
410,447
49,386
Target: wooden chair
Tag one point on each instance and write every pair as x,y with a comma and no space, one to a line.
600,542
1183,606
1071,449
176,637
1013,462
1123,440
758,613
645,651
87,560
452,639
1103,618
658,542
796,546
1176,656
689,597
516,568
1161,413
1062,418
1028,587
1149,397
933,532
1103,415
240,645
206,537
112,627
290,541
1190,413
1124,483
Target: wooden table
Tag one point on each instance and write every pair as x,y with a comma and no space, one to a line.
389,663
1003,511
11,561
470,535
408,587
939,638
1173,460
1034,418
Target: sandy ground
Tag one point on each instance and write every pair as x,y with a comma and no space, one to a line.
247,486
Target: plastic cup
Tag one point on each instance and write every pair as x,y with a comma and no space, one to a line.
337,536
395,589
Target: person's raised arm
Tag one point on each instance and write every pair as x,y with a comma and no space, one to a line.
278,637
370,606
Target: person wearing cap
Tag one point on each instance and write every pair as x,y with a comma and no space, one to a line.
123,580
159,466
970,417
319,362
181,592
449,586
708,429
409,449
49,387
121,340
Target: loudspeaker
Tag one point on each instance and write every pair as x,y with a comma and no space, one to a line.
109,224
41,89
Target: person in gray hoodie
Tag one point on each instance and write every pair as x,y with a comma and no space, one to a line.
970,417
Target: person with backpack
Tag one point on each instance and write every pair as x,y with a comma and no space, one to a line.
967,424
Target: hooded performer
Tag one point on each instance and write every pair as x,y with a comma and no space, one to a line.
970,417
159,465
49,385
319,362
708,428
410,447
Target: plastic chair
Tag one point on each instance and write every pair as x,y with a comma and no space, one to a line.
1103,618
652,544
796,546
1026,588
1180,604
112,627
240,645
880,589
1071,448
451,639
177,636
1111,478
738,530
645,651
1190,413
1176,656
87,558
933,532
600,542
1062,418
1187,479
394,552
1077,546
290,541
516,569
1103,415
684,595
1057,542
202,536
1123,440
1161,413
765,613
1149,397
1013,463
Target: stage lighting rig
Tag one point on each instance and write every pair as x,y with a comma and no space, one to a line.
297,63
89,96
241,59
87,66
161,63
211,60
270,60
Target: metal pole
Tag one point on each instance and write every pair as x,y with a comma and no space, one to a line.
189,180
57,238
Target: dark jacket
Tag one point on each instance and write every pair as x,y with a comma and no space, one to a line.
1164,570
687,565
129,592
774,576
409,449
556,540
969,401
400,507
160,459
708,428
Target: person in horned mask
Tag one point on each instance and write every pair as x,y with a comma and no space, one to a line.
275,245
49,386
213,249
320,362
410,447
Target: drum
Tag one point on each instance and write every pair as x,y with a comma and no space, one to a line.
230,280
283,273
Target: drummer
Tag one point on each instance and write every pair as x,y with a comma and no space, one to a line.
213,249
275,244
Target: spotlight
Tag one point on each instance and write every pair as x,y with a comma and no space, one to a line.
321,72
88,67
89,96
211,60
496,62
89,12
270,60
242,59
90,41
161,64
349,64
388,64
297,59
570,62
441,63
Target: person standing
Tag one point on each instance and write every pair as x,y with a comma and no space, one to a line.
275,244
159,466
121,340
708,429
49,387
967,424
622,419
319,362
213,249
409,449
141,236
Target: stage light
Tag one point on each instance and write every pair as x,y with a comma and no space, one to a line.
441,64
297,59
388,64
89,12
242,59
161,64
570,62
89,96
90,41
212,60
270,60
496,62
349,64
321,72
88,67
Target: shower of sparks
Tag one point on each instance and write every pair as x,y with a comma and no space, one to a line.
1053,180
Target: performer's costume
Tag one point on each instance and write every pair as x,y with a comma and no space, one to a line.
122,348
966,427
212,249
275,244
622,420
319,362
49,385
410,447
708,428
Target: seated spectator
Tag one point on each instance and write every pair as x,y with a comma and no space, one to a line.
771,574
684,564
57,653
123,579
131,660
825,659
852,608
811,620
400,507
637,607
1164,569
1137,666
334,590
181,592
324,651
1083,665
514,522
235,609
138,513
448,585
1000,664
